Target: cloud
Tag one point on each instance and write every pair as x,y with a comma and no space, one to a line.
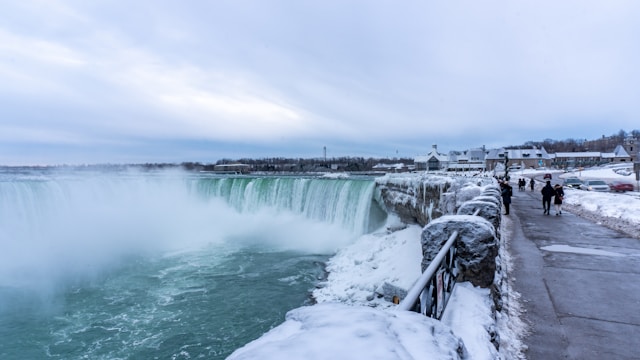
295,76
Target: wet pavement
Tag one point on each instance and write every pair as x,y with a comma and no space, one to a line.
579,284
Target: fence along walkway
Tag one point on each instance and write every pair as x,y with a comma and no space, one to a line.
431,292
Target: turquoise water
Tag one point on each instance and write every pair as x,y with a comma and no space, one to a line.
202,304
102,265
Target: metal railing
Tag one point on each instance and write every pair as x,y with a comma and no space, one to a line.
429,295
431,292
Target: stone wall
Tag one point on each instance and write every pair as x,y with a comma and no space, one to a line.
421,198
446,204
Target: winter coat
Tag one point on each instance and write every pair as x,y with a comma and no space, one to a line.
506,194
548,192
558,196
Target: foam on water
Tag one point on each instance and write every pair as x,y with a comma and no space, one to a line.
117,265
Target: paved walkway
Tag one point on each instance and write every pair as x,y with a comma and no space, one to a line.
579,281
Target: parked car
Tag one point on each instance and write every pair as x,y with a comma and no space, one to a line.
547,176
594,185
620,186
624,172
572,182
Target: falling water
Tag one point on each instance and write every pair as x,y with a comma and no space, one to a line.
104,264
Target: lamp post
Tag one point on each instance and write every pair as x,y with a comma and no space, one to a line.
506,165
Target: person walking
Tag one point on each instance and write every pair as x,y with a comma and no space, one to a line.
557,199
506,192
532,184
547,193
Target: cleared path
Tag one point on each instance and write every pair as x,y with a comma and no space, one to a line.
579,284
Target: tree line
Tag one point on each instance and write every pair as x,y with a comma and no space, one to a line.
361,164
604,144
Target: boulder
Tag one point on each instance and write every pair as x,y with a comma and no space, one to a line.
476,246
488,210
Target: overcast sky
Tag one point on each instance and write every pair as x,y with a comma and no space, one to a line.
169,81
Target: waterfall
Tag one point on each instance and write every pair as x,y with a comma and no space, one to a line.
53,224
345,202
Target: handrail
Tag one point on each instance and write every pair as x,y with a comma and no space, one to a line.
437,281
410,301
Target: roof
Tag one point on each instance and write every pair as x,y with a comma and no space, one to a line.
620,151
433,153
578,154
518,154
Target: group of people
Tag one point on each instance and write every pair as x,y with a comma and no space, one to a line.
522,184
556,192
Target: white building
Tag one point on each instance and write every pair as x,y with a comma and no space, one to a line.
432,161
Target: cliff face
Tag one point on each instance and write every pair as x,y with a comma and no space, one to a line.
420,198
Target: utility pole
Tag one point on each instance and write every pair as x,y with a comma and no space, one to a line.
636,165
506,165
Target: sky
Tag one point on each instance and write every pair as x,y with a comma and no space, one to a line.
340,324
172,81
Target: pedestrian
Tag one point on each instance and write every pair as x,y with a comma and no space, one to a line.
532,184
547,193
557,199
506,192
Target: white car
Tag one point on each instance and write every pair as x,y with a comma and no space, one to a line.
572,182
594,185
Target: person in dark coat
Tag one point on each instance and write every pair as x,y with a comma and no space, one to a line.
547,193
532,184
506,192
557,199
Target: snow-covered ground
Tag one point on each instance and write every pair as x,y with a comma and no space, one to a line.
350,322
620,211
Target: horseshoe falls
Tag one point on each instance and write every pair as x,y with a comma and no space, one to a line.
106,264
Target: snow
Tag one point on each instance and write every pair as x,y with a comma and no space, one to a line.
338,331
577,250
352,321
620,211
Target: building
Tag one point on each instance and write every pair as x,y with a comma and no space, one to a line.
472,159
631,145
432,161
518,158
565,160
618,155
232,168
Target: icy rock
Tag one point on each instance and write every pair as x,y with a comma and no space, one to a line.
487,198
418,199
477,246
488,210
